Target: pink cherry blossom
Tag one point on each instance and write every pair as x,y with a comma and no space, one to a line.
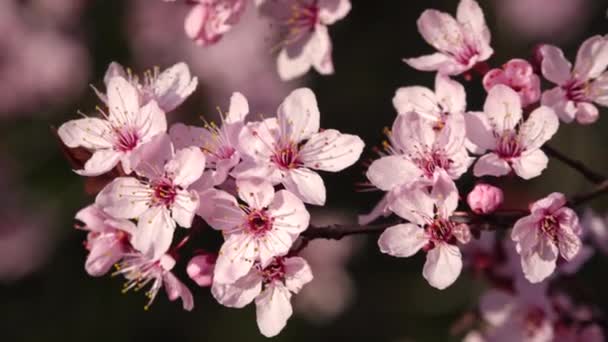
169,88
461,42
271,287
513,144
306,42
200,269
430,229
141,270
449,98
107,241
285,149
159,199
519,75
549,231
209,20
526,315
484,198
419,149
262,229
580,87
220,144
122,133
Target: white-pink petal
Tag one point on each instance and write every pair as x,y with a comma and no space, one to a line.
306,184
443,265
402,240
331,150
491,165
154,232
122,198
273,309
298,115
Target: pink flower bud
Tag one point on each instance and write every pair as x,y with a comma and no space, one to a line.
484,198
200,269
519,75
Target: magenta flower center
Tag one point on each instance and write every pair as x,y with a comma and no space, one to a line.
274,272
440,230
576,90
429,162
126,139
164,192
464,55
286,158
259,222
509,146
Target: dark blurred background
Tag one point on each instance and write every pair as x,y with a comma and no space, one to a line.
51,50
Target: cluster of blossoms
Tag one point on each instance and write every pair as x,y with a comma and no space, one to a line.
304,41
252,180
248,179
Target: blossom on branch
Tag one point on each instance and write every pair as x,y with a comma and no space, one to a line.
461,42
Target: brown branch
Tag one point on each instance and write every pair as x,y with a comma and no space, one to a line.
577,165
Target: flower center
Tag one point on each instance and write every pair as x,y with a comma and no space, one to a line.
274,272
304,16
259,222
509,145
465,54
548,226
126,139
164,192
576,90
429,162
439,230
286,158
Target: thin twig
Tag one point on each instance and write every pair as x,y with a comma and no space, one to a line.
577,165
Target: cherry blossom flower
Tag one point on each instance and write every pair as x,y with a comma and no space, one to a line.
519,75
220,144
140,270
122,133
526,315
306,42
209,20
449,98
107,241
418,149
264,228
430,230
158,200
169,88
549,231
200,268
484,198
271,287
512,143
461,43
579,87
285,149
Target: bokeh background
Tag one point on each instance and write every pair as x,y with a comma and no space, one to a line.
51,50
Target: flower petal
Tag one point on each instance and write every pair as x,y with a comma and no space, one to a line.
331,11
150,121
240,293
123,101
389,172
540,263
402,240
413,203
470,15
236,258
479,131
440,30
256,192
539,128
555,67
154,232
530,164
273,309
592,58
297,273
91,133
186,166
434,62
331,150
491,165
503,108
289,213
176,289
450,94
306,184
416,99
185,207
122,198
100,162
239,108
173,86
221,210
298,115
443,265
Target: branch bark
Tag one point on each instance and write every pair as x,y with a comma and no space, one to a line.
577,165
